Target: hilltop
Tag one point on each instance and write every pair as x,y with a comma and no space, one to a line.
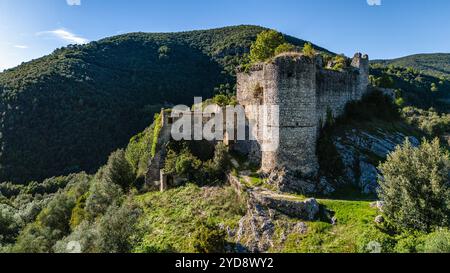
66,112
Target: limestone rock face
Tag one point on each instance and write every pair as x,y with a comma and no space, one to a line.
361,153
305,210
286,181
368,180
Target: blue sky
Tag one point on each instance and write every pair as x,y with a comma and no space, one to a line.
33,28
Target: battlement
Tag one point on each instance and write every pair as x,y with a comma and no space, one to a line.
305,92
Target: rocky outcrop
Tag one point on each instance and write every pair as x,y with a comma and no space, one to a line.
305,210
256,230
286,181
361,153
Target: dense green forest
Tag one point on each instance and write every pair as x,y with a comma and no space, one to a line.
413,87
66,112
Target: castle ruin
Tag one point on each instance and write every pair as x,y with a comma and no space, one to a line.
305,93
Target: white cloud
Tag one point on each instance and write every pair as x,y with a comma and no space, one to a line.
21,46
65,35
374,2
73,2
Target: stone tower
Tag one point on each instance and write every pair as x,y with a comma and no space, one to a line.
305,92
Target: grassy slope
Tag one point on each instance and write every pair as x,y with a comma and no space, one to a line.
354,219
171,218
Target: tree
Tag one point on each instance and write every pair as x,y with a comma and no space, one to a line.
286,47
265,45
415,187
308,50
116,228
119,171
434,87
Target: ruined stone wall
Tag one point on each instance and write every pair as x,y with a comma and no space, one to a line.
335,89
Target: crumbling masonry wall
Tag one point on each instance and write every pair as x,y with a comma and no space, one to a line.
305,92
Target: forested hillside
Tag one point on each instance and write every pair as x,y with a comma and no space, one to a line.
66,112
437,65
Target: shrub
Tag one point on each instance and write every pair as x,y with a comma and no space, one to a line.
117,227
138,152
9,226
85,234
409,243
375,241
339,63
415,187
437,242
56,216
209,239
156,131
286,47
215,169
79,213
102,195
329,159
119,171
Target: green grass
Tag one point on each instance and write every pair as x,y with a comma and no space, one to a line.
171,218
354,219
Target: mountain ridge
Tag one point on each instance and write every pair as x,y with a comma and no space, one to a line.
433,64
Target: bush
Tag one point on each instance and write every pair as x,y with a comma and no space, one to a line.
85,234
286,47
138,152
209,239
183,164
117,227
79,213
375,241
409,243
102,195
339,63
308,50
415,187
9,226
329,159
